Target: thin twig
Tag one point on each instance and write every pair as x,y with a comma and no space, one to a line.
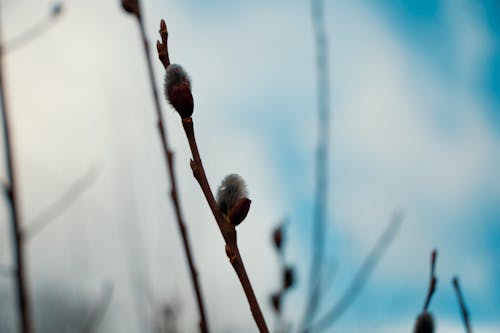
33,32
321,193
169,158
99,311
63,203
361,276
432,281
461,303
12,196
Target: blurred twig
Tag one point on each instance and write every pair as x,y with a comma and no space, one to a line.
461,303
133,7
64,202
35,31
13,203
432,281
361,276
321,193
99,311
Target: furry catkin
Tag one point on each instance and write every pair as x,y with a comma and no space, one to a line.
178,90
230,191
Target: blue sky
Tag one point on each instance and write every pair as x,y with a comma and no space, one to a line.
415,106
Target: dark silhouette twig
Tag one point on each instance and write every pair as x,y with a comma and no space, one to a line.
322,150
461,302
64,202
133,7
361,276
227,230
432,281
12,198
35,31
99,311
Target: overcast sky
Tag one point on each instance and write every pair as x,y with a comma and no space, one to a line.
415,100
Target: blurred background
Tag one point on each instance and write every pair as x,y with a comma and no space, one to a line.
415,125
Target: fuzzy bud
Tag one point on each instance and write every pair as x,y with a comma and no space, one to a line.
424,323
178,90
232,199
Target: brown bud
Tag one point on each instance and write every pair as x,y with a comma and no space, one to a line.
288,277
424,323
239,211
278,237
276,301
131,6
182,100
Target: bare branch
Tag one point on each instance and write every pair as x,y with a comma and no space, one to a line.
63,203
361,276
322,153
35,31
133,7
461,303
22,291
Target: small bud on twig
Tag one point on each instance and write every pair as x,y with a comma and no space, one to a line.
278,237
178,90
57,9
239,212
288,277
424,323
131,7
276,301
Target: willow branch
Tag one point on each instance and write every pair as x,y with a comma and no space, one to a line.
361,276
13,203
461,302
63,203
228,231
169,158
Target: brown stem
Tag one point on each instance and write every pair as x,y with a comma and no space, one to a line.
228,232
169,157
18,244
